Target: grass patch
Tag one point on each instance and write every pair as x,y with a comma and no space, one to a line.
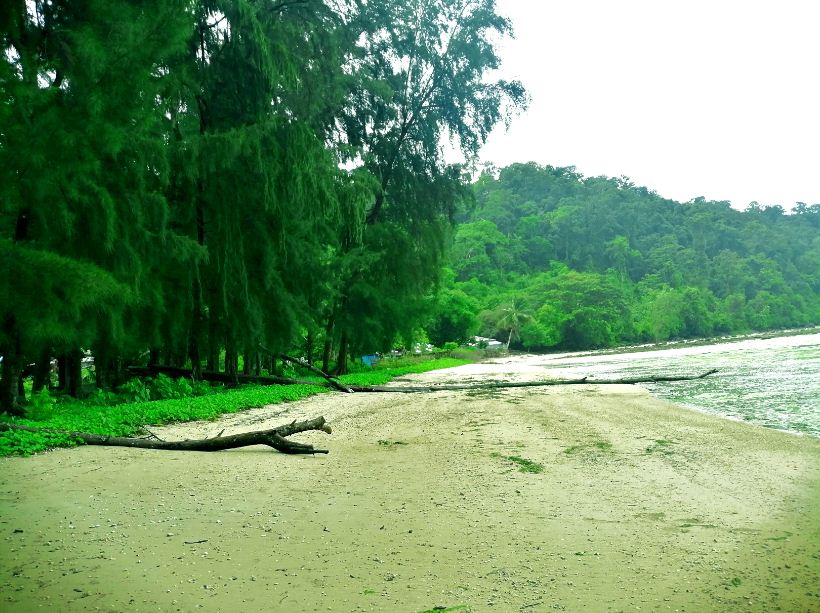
660,446
382,374
599,445
524,465
462,607
391,443
127,419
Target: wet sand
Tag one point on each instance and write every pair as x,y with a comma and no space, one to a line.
641,505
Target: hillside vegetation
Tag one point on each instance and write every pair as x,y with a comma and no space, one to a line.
548,258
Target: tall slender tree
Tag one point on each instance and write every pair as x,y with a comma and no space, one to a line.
423,70
78,131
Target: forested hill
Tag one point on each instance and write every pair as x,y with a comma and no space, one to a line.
548,258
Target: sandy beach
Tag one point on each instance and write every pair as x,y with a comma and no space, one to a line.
641,505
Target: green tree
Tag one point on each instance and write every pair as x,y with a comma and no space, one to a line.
422,69
83,172
454,318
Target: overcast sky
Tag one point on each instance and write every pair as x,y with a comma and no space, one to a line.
713,98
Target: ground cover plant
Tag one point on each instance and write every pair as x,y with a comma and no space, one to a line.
524,465
129,418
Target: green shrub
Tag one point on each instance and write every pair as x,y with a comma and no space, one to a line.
135,390
163,387
41,406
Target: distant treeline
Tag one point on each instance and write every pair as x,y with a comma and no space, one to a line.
550,259
183,182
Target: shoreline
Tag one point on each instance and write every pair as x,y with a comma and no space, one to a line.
641,503
684,343
783,396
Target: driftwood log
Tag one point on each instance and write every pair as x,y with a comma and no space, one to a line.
175,373
408,389
274,437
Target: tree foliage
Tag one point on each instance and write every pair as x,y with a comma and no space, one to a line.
188,181
598,261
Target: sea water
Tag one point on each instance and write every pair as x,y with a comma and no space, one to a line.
773,382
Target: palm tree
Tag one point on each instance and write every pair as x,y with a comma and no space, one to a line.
514,318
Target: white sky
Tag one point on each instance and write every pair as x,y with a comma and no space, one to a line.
713,98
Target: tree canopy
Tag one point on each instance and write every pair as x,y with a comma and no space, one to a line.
185,182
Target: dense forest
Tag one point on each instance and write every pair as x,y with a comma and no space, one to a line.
550,259
184,182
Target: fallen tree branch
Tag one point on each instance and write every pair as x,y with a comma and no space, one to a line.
318,371
507,384
272,438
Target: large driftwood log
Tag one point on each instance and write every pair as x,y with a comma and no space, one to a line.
506,384
330,382
272,438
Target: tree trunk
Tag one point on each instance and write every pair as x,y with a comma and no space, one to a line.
193,346
326,355
247,363
251,365
223,378
153,357
75,373
42,372
62,372
10,377
231,362
102,368
412,389
108,372
198,314
328,344
309,347
214,345
12,394
341,362
273,438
